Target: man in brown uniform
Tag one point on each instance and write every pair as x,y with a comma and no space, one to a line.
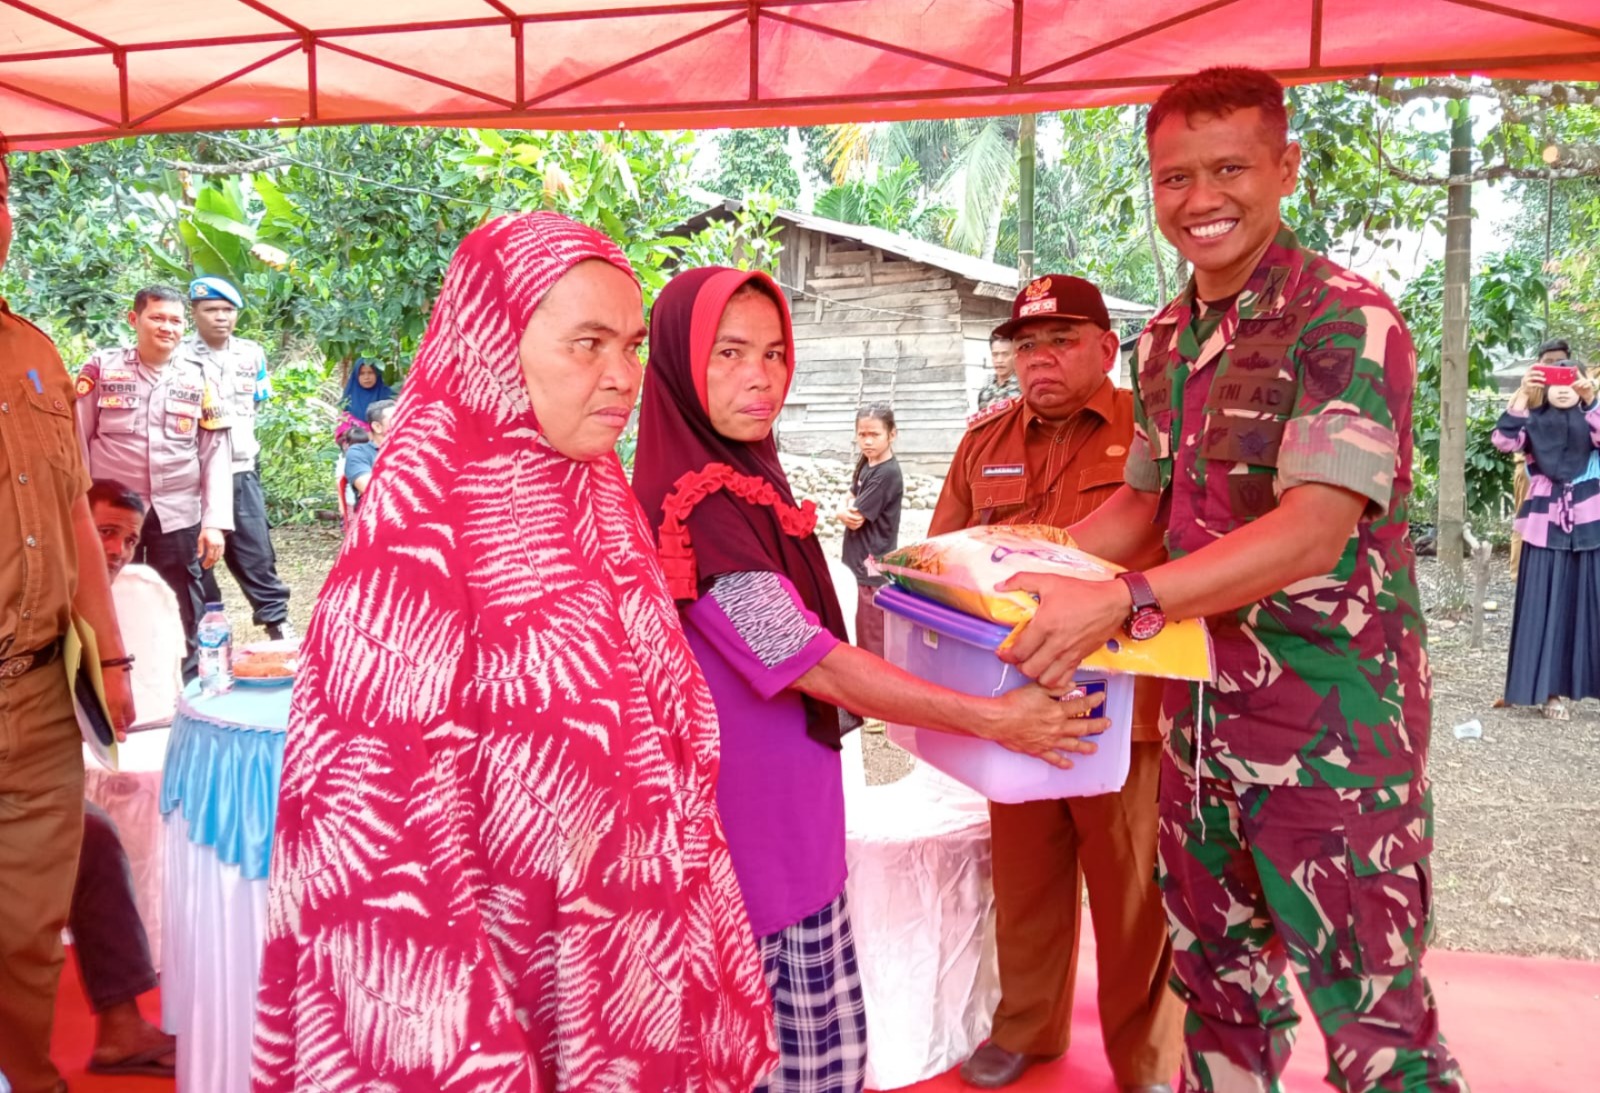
45,526
1051,457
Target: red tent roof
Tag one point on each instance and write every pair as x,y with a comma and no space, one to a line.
76,70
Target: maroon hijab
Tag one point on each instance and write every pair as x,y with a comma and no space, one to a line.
728,533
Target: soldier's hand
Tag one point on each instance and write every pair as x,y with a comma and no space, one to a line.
119,699
1039,723
1075,618
210,547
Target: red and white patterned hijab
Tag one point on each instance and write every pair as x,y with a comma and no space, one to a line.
498,863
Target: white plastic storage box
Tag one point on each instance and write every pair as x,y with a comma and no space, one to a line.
944,646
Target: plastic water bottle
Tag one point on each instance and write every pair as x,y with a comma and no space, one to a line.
216,651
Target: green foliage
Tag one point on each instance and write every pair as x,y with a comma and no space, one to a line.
756,160
896,200
1507,301
338,237
298,453
749,240
1346,197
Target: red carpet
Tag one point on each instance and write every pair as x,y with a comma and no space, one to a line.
1518,1025
74,1039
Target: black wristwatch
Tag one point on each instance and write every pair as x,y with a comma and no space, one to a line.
1146,620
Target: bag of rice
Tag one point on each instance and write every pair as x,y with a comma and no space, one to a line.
962,569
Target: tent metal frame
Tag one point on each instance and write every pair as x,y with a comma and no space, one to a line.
976,98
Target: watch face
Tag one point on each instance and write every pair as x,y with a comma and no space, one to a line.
1146,624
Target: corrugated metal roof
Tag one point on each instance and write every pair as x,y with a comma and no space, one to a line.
992,278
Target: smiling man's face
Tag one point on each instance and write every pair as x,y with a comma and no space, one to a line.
1218,183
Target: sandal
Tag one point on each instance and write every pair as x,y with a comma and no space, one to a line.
149,1063
1556,710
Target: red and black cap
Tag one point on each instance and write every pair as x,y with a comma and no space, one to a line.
1057,296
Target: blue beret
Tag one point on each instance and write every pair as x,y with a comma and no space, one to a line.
214,288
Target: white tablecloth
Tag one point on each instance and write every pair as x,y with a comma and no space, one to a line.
922,908
219,796
131,796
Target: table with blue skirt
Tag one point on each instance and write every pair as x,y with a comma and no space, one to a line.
219,800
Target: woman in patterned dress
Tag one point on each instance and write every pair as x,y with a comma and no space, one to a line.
765,624
498,863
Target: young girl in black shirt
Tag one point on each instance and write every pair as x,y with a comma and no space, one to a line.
871,516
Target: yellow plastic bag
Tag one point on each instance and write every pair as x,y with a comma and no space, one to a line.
962,569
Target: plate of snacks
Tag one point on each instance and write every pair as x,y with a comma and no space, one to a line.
267,664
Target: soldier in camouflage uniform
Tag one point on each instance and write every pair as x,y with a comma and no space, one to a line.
1273,450
1003,357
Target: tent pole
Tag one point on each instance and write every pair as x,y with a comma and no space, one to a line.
1026,165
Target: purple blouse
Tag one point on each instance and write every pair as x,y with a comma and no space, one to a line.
1555,517
781,794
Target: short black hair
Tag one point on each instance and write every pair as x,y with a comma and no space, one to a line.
996,336
164,293
379,410
353,436
1220,91
111,492
1555,345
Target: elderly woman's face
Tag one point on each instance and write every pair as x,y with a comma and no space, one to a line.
367,376
580,358
748,373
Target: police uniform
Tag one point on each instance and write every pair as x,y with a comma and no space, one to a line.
42,477
239,369
1296,819
1015,467
143,427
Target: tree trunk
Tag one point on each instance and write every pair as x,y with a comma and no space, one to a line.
1155,248
1454,365
1026,167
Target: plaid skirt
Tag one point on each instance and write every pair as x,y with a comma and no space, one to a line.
817,1005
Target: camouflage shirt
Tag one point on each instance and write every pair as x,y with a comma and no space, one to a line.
994,391
1307,378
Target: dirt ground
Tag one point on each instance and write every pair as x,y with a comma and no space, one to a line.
1517,867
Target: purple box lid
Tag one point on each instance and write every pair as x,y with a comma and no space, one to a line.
946,620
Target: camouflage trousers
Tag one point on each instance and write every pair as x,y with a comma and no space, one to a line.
1335,881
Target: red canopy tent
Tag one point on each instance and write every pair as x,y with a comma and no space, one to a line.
79,70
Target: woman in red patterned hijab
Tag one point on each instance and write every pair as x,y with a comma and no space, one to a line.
498,862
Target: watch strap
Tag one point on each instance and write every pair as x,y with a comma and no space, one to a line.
1139,587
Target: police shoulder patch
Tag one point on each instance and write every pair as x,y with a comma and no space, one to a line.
992,411
84,385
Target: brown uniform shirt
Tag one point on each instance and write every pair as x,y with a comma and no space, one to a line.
1014,467
41,476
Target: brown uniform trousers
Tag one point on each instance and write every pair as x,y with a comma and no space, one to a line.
1012,467
41,757
41,828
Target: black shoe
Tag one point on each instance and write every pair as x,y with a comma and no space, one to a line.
281,631
993,1067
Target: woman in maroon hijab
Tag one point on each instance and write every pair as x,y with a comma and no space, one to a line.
764,622
498,863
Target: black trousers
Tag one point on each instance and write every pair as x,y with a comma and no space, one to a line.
107,934
175,555
250,556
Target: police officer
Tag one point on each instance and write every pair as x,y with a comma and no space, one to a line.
1272,453
150,419
239,367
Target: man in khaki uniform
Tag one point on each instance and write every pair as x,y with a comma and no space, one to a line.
45,528
1051,456
153,420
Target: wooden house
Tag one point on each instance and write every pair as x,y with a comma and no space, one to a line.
881,317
